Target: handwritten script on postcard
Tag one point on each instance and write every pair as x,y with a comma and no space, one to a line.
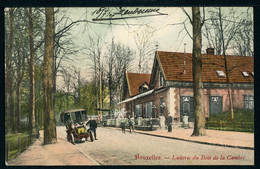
105,13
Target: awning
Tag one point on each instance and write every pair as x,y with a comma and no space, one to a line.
137,96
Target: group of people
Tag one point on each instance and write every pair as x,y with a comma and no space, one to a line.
168,122
93,125
130,123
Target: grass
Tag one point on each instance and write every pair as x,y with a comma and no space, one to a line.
12,137
232,129
243,121
12,140
240,115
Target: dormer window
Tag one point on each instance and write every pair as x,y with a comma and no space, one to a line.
245,74
143,88
220,73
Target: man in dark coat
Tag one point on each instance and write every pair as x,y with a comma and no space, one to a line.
93,125
131,128
123,125
169,123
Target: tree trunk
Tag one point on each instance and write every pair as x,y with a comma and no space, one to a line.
100,89
79,87
110,73
6,93
12,117
18,107
95,79
110,87
54,85
9,79
32,80
50,135
226,69
67,100
42,119
199,127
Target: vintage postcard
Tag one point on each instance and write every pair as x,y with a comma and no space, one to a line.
129,86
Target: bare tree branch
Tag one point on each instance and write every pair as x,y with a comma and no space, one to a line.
187,14
187,31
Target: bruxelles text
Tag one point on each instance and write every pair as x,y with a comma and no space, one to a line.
195,157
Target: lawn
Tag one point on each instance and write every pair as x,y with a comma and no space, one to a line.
243,121
16,143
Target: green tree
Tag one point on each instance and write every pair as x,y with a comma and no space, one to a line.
20,54
33,129
88,99
39,95
9,115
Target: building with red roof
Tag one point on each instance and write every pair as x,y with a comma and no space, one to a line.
168,89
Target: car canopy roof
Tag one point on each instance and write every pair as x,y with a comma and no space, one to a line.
71,111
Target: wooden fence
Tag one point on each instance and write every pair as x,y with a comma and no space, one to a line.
16,146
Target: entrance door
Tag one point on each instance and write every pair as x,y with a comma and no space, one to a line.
215,104
186,107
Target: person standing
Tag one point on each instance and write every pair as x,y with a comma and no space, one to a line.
151,123
169,123
130,125
134,121
93,125
123,125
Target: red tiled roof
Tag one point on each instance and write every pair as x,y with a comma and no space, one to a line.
135,80
172,65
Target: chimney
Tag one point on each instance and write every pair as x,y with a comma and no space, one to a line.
210,51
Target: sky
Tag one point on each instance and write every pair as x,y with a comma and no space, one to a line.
165,35
125,34
168,30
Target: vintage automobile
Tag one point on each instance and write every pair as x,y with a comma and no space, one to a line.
75,128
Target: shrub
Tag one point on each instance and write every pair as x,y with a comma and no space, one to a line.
240,115
243,121
11,141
